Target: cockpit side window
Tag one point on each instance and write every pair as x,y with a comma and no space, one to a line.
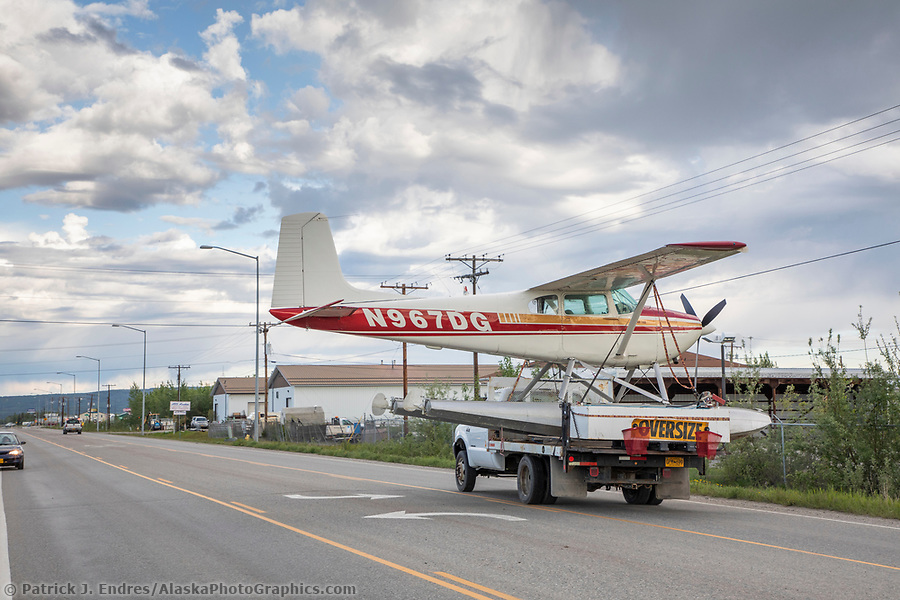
544,305
624,302
586,304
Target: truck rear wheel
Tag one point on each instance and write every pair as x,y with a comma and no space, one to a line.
640,495
548,497
532,480
465,475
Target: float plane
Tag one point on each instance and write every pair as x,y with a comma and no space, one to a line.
584,320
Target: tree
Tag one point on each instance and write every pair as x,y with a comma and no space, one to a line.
507,368
858,433
855,444
158,399
863,330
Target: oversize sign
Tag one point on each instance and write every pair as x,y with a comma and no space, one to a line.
671,429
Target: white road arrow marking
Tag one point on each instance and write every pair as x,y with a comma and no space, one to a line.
369,496
402,514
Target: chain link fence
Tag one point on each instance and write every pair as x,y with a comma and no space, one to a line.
368,431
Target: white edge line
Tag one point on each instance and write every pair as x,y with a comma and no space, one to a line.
5,576
784,513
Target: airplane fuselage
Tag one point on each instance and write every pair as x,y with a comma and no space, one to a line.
491,324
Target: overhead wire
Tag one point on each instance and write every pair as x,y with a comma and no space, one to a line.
575,225
652,204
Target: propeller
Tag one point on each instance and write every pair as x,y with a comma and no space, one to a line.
709,316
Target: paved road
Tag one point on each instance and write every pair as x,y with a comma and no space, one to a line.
94,514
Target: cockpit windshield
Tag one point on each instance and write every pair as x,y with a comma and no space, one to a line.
624,302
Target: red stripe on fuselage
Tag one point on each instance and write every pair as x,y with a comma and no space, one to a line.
397,322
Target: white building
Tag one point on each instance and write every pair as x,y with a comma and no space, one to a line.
347,390
235,396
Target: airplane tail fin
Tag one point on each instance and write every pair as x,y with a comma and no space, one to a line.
307,271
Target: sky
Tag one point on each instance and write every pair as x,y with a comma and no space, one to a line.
559,136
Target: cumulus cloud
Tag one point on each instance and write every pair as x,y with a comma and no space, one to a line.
74,234
98,124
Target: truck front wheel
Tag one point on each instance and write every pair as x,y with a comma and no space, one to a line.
465,475
532,480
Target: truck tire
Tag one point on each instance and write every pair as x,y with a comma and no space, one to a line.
548,497
653,500
531,482
465,475
637,496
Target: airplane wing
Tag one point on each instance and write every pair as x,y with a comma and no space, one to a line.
662,262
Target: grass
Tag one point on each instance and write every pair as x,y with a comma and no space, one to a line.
396,452
846,502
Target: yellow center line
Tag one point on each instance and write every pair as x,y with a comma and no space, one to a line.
308,534
547,508
476,586
163,480
248,507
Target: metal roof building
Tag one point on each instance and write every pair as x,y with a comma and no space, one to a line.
347,390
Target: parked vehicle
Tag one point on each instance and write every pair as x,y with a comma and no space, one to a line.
154,422
198,423
72,424
11,452
342,429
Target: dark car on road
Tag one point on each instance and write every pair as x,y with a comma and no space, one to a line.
11,452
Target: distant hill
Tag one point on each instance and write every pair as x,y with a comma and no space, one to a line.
11,405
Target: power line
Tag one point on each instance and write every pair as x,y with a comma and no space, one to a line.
108,323
576,225
782,268
134,271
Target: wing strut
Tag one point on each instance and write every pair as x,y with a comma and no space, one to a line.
623,345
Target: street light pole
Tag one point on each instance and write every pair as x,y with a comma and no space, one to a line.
59,420
72,375
98,386
256,375
144,379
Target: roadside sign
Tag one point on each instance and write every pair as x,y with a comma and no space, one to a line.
179,413
179,406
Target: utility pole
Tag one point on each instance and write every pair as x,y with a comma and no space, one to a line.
264,328
108,387
179,367
476,263
402,288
